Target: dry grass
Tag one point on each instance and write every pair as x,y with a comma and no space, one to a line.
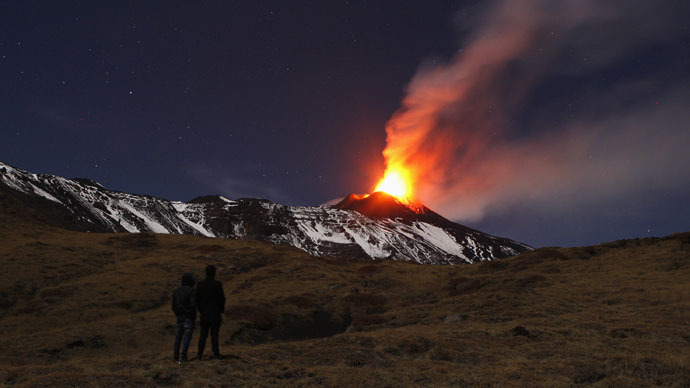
80,309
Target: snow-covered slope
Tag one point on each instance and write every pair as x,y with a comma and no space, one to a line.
400,234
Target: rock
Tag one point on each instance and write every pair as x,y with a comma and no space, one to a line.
588,374
76,343
454,318
625,332
414,345
520,331
51,351
359,359
96,342
245,285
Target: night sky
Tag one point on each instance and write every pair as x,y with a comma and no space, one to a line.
289,101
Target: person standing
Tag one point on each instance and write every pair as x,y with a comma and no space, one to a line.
184,307
211,304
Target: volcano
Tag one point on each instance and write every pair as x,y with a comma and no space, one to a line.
377,226
381,205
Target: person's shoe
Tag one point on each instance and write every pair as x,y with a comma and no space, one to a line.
218,356
183,359
200,357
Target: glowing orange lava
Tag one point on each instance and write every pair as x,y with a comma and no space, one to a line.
396,182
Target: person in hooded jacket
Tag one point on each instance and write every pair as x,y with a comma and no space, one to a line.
184,306
211,304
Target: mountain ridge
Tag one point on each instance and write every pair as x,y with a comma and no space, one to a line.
373,227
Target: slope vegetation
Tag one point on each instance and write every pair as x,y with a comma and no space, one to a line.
89,309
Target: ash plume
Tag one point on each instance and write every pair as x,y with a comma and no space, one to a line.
548,102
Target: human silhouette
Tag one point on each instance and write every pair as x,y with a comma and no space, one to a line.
184,306
211,304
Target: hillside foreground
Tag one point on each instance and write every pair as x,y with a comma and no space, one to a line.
87,309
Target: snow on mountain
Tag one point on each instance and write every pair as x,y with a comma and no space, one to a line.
377,227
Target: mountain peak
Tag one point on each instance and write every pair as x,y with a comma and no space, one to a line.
88,182
208,199
381,205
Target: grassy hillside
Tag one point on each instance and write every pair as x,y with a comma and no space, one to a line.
84,309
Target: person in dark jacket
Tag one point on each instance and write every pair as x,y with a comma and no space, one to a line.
211,304
184,306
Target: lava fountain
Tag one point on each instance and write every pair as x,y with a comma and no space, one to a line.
397,182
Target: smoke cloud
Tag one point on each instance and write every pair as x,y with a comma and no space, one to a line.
548,102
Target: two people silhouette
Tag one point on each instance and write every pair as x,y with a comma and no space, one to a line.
209,299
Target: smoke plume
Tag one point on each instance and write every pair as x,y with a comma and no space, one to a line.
547,102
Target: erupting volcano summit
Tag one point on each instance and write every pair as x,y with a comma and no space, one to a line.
376,226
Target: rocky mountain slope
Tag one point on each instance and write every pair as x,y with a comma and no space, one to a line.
375,227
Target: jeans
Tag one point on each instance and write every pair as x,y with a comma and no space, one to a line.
205,328
183,334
